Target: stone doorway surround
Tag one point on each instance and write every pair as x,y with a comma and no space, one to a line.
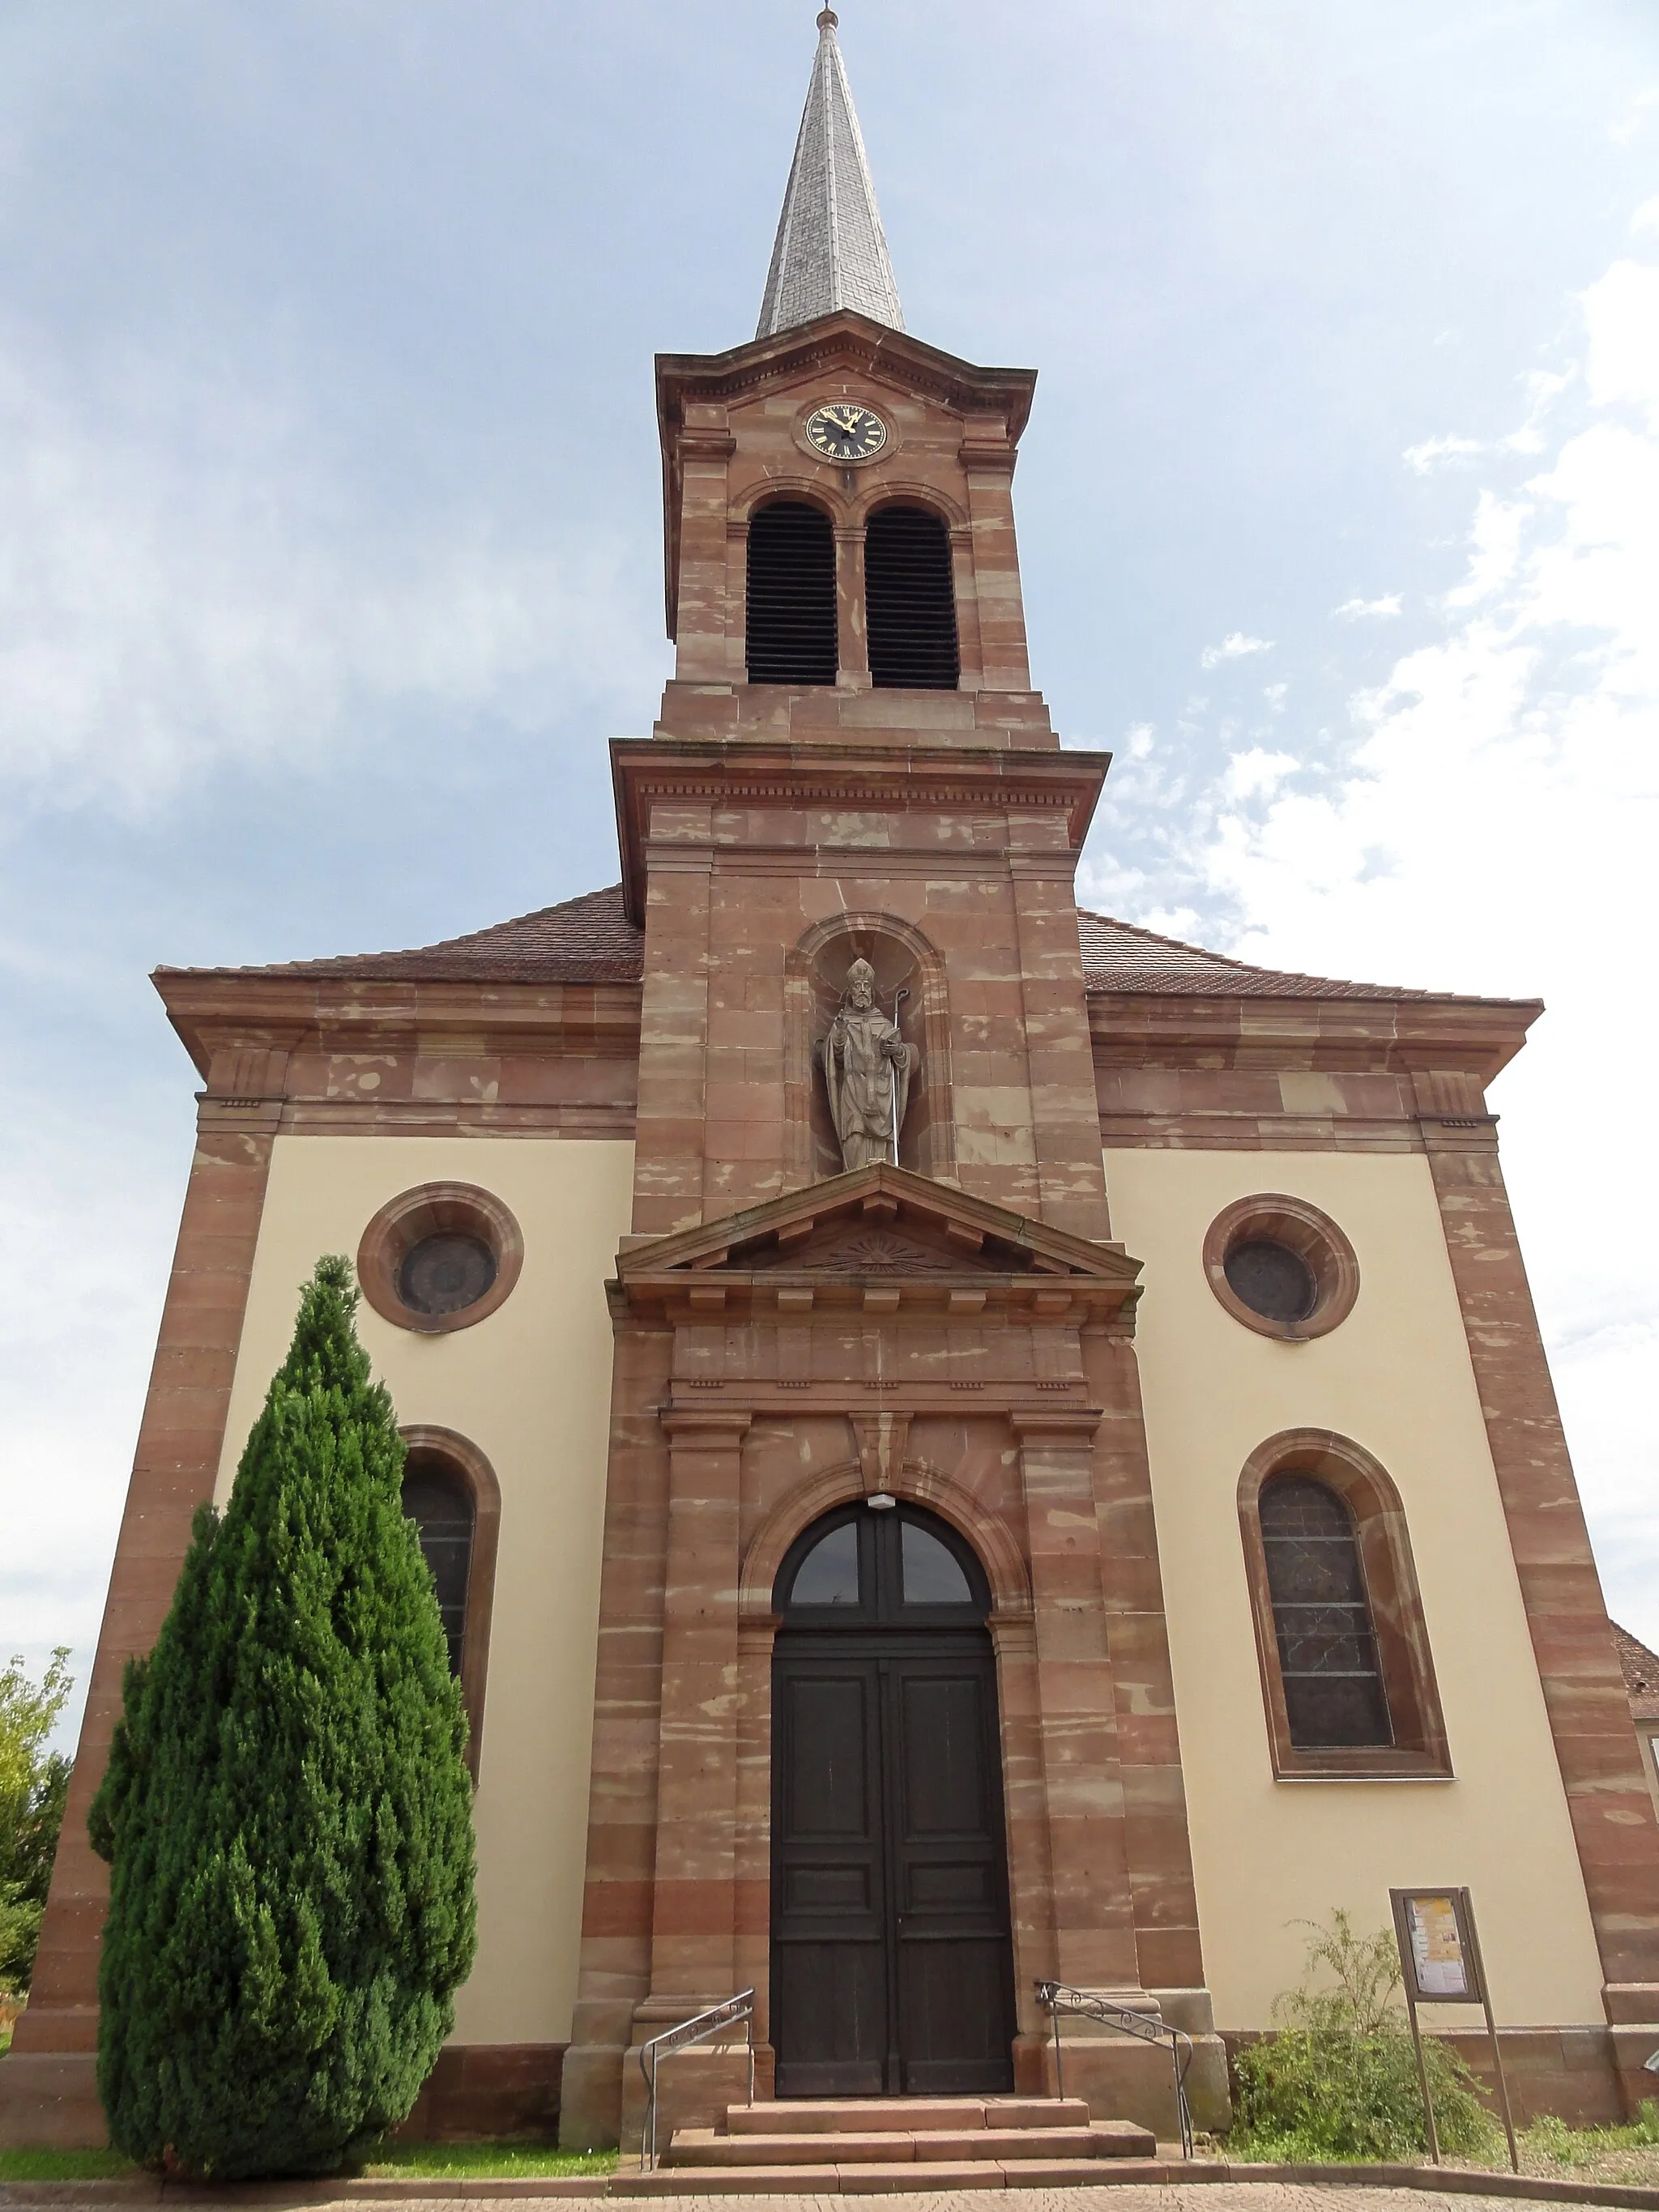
878,1332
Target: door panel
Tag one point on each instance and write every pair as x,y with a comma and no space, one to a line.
954,2025
830,1792
942,1750
830,1994
950,1876
892,1966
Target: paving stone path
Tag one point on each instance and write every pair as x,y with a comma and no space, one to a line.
1126,2196
1118,2197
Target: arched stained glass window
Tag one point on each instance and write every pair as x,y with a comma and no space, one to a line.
1327,1655
438,1500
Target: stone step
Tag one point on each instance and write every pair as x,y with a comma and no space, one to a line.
1112,2139
799,2116
854,2181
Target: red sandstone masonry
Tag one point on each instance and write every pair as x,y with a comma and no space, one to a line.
1607,1795
48,2093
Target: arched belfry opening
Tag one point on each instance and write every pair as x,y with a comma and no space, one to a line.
791,628
910,601
892,1961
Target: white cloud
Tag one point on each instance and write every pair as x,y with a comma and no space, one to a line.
1494,548
1439,452
1380,609
1622,312
183,581
1258,773
76,1327
1629,127
1236,646
1494,832
1543,389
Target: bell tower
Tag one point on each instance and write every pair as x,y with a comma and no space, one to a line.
853,831
891,461
850,760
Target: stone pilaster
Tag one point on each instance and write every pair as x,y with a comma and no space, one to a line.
1607,1798
48,2086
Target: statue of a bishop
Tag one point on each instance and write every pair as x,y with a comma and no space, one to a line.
866,1071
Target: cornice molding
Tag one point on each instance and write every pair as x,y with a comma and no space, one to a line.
220,1010
886,777
1405,1036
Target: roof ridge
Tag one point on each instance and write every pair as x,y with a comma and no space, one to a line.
588,938
1344,986
1179,945
607,899
472,936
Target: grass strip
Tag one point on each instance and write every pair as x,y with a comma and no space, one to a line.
63,2165
485,2160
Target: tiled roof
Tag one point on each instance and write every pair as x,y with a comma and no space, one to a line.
590,941
1117,957
581,940
1641,1669
830,250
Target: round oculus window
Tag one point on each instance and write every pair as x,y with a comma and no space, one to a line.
441,1256
1271,1280
1281,1266
445,1273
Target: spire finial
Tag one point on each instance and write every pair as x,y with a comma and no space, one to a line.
831,251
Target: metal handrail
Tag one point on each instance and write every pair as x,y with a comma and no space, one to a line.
697,2029
1087,2004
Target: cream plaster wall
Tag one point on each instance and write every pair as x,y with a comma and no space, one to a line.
1396,1377
530,1387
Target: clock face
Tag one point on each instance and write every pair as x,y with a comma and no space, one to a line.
844,431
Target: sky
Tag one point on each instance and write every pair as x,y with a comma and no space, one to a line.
330,543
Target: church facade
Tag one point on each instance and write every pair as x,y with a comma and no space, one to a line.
961,1443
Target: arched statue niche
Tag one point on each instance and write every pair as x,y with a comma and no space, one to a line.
907,977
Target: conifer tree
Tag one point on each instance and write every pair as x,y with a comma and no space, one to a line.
287,1811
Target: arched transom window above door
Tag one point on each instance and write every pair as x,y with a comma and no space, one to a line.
863,1566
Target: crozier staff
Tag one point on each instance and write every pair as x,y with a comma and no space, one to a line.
866,1071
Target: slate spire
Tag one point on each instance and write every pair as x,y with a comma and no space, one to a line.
831,251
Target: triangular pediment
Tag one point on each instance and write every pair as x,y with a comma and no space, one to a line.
879,1224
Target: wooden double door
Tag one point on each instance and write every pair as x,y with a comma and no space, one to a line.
891,1958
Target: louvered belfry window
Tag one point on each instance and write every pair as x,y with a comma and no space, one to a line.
1328,1659
910,602
792,595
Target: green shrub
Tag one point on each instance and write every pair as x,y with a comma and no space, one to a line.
1339,2078
287,1811
33,1784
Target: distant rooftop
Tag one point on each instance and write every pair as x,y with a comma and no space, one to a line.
831,253
1641,1670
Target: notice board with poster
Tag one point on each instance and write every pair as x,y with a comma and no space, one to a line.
1438,1953
1440,1963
